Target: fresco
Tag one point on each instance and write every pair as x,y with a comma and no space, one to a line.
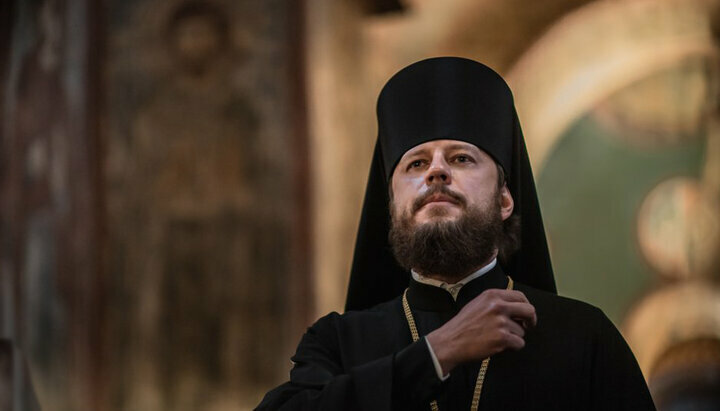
623,128
199,201
594,189
150,174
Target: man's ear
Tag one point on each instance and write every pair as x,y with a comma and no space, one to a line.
507,204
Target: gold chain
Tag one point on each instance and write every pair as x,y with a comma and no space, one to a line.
483,367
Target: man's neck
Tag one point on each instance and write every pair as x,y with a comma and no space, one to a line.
452,279
454,288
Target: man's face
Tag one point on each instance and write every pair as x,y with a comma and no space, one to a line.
438,180
447,209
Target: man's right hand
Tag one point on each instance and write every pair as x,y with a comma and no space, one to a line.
492,322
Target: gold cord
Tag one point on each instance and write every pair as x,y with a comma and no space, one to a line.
483,367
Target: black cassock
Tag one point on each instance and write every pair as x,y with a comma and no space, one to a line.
575,359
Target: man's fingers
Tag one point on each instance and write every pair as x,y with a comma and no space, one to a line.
515,328
515,342
523,312
509,295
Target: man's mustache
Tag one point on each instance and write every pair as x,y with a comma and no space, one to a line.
438,189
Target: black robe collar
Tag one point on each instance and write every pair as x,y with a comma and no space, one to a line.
427,297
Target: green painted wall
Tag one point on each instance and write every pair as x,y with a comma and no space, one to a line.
590,190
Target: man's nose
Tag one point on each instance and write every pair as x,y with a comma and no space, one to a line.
438,173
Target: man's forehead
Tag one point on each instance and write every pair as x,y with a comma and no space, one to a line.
445,144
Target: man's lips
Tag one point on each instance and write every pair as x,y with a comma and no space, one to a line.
439,198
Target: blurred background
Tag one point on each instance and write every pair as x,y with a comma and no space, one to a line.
181,181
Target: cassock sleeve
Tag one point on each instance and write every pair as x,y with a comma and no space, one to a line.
618,383
320,381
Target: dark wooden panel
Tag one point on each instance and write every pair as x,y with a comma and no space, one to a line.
51,202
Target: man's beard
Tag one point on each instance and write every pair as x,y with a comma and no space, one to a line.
451,249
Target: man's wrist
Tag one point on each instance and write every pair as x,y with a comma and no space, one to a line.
436,363
439,350
414,375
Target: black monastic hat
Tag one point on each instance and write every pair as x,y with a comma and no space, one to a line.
444,98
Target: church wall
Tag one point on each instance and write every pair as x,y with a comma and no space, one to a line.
154,181
342,130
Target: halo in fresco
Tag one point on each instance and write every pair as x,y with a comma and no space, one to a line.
664,109
687,376
670,316
678,229
597,51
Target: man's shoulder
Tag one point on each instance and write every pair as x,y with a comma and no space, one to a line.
357,333
553,300
374,314
566,309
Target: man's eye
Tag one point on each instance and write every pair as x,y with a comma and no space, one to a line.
462,159
414,164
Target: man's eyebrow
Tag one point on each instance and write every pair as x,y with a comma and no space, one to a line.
461,146
454,146
417,152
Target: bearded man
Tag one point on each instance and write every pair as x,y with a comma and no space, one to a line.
463,313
